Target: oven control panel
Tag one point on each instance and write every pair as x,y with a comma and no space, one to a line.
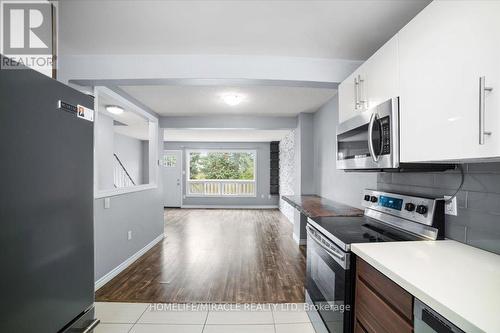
416,209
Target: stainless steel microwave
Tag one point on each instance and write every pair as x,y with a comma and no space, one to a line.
370,142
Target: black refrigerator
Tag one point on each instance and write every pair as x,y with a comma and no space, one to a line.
46,206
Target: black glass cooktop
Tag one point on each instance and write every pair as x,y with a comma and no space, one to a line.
345,231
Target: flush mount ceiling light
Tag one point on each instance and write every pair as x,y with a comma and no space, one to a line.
114,109
232,99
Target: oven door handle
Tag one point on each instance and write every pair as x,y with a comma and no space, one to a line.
370,137
318,241
92,325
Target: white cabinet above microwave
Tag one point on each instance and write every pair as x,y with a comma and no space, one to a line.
374,82
370,142
445,67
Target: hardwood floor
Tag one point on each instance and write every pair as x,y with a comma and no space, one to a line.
216,256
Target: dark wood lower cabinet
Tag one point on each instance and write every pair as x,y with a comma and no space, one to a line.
358,328
381,306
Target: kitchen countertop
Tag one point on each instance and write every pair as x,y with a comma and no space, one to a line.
460,282
316,206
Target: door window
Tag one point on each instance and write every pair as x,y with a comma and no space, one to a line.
169,161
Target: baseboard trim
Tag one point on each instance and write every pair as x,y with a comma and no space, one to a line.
118,269
230,207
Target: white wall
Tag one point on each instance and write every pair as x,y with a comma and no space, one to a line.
140,212
104,141
145,160
263,174
297,162
287,172
229,121
130,152
306,153
199,66
337,185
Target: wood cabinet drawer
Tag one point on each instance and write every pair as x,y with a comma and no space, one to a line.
358,328
395,296
375,315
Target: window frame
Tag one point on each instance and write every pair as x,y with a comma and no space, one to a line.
153,146
222,150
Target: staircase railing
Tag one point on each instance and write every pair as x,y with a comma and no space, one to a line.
121,177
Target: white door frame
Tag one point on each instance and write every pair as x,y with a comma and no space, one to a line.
182,171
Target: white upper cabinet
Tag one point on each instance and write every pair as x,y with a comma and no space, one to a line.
380,75
347,98
374,82
443,53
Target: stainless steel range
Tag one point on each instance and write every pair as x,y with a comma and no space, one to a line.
388,217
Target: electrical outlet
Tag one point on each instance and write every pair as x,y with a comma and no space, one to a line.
107,203
450,208
129,235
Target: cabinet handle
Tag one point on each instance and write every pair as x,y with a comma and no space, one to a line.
356,93
361,82
482,108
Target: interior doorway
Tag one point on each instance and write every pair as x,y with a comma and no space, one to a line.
172,178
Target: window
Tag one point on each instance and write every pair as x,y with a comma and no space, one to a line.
126,145
169,161
221,173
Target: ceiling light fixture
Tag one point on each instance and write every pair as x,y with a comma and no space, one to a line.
232,99
114,109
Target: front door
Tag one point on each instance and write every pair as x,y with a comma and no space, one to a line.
172,178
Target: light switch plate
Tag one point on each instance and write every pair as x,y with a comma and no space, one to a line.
450,208
107,203
129,235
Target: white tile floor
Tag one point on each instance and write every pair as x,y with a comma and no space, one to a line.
141,318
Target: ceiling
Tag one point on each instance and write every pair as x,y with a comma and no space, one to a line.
128,123
223,135
206,100
350,29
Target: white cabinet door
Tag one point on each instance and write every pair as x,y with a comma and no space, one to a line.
347,98
378,82
380,75
443,52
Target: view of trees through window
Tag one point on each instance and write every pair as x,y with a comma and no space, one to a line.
221,165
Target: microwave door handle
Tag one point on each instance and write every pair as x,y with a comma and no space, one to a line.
370,137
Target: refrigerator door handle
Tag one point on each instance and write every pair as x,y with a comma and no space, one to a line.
92,325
